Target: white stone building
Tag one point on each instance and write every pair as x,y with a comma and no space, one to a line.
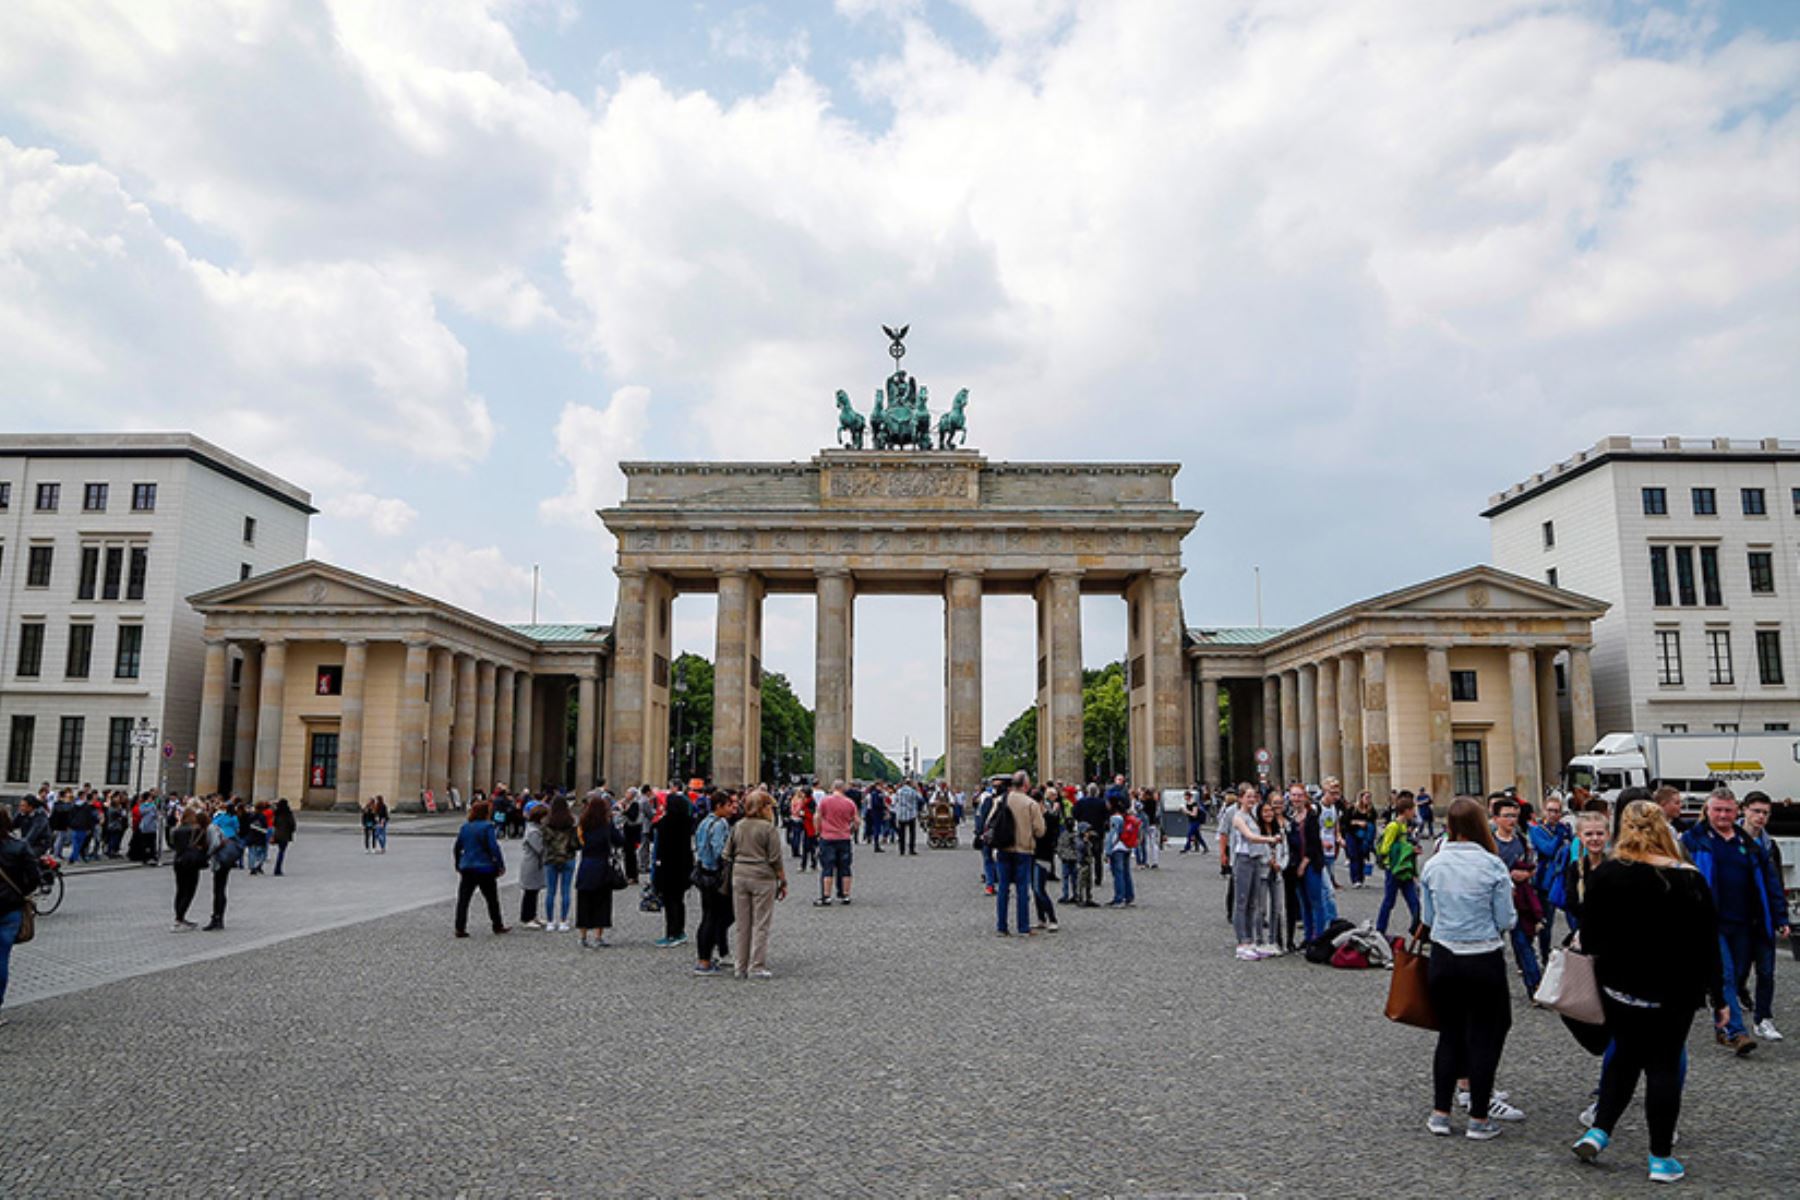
1695,543
102,539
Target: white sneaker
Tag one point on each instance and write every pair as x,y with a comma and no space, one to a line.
1268,951
1246,954
1500,1110
1496,1097
1589,1113
1765,1030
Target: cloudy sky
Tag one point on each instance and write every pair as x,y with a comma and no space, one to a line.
1356,263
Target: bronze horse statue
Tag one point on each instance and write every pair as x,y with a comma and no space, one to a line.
850,422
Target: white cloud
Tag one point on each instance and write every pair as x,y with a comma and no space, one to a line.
592,442
388,516
480,579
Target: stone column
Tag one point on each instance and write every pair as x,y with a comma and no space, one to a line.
522,761
502,769
1067,742
268,719
484,725
1377,763
1350,738
1306,684
626,727
597,765
1290,728
350,724
1523,685
962,680
443,696
831,677
1438,731
1166,681
1582,730
413,725
1550,747
1209,731
1331,752
1272,731
462,731
212,717
243,758
585,695
731,681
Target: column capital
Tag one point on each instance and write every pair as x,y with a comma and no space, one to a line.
1443,644
215,640
831,572
963,573
354,641
273,639
417,642
1167,572
1074,573
730,572
625,572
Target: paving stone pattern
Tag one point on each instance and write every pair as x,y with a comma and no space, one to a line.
902,1050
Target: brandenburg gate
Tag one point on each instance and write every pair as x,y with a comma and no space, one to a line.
881,522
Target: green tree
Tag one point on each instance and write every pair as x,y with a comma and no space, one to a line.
1016,747
869,763
787,730
1105,721
690,717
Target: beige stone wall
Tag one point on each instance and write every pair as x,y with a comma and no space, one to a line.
381,720
300,701
1487,718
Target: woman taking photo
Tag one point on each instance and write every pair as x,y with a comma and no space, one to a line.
1468,910
593,885
1647,920
758,880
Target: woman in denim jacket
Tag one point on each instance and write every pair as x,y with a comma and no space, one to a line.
1468,910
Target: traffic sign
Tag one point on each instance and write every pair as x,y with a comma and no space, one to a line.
168,749
143,736
1263,756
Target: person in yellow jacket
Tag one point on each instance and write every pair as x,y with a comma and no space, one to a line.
1398,855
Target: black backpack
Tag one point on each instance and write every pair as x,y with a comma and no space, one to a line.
1320,949
999,829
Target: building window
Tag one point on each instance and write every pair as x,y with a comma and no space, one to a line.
6,496
90,573
1706,502
1549,535
1562,678
1466,758
1550,577
134,578
1462,685
49,495
81,651
1768,657
18,749
1718,656
1709,576
118,752
1684,576
68,750
1726,727
321,768
1762,573
1677,727
131,652
1656,502
243,571
1668,657
31,649
1659,577
143,497
237,671
38,560
1755,503
329,682
93,498
249,531
115,565
1796,500
1775,727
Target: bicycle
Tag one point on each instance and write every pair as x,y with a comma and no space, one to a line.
50,890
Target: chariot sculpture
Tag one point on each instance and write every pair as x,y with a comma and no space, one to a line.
901,418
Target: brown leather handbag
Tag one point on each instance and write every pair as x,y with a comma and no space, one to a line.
1409,993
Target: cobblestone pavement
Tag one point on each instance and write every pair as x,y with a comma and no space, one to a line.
902,1050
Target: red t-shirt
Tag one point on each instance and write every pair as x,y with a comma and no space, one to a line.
837,818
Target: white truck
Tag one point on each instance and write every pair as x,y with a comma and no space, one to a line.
1698,762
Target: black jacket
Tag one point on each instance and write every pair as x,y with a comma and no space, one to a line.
1653,933
35,830
21,866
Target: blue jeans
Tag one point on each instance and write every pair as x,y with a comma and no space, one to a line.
1015,872
990,870
558,877
1358,850
1527,959
77,844
1409,891
874,834
1069,867
1764,958
1123,891
9,933
381,837
1546,925
1046,910
1312,902
1736,952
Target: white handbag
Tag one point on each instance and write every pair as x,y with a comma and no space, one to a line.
1569,986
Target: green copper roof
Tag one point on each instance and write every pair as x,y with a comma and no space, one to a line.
563,633
1243,635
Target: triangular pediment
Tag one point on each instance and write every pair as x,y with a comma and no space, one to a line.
308,584
1485,589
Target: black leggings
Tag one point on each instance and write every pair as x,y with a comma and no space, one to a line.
674,902
187,882
1474,1012
714,936
221,876
467,884
1647,1042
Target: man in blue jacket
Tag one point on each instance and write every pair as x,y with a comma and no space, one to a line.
1752,909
